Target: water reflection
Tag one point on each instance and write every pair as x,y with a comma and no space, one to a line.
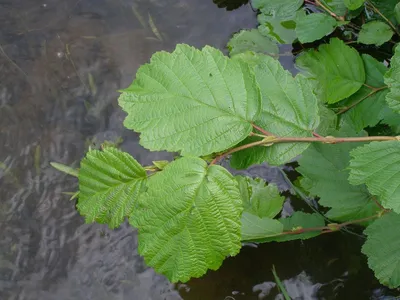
61,63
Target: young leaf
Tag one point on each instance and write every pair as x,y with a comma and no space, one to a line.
256,228
65,169
338,76
260,199
392,79
252,40
279,29
315,26
382,248
375,33
371,107
189,219
353,4
279,8
110,182
290,108
325,166
377,165
196,102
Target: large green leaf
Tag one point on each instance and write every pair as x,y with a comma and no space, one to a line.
353,4
279,29
325,167
196,102
189,219
312,27
375,33
252,40
110,182
392,79
289,109
338,76
255,228
279,8
382,248
260,199
377,164
371,107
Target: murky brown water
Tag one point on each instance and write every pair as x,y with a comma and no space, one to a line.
61,63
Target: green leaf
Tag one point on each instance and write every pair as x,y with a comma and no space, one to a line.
256,228
189,219
315,26
336,6
196,102
110,182
279,29
252,40
279,8
328,122
377,165
392,79
382,248
353,4
65,169
325,167
397,12
290,109
386,7
371,107
260,199
375,33
338,76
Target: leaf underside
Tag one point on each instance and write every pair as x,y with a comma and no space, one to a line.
189,219
196,102
392,79
377,165
110,182
252,40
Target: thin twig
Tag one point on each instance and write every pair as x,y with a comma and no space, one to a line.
318,3
261,130
383,16
12,62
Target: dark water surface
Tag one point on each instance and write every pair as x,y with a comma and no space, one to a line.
61,62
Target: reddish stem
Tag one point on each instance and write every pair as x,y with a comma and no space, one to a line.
261,130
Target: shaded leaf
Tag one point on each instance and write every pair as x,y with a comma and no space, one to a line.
382,248
189,219
110,182
325,167
397,12
252,40
196,102
259,198
386,7
377,165
256,228
371,107
392,79
279,29
336,6
375,33
290,108
230,4
353,4
338,76
278,8
315,26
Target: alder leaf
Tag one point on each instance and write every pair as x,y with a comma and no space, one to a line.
392,79
370,108
353,4
336,6
279,8
315,26
397,12
110,182
377,165
375,33
338,76
255,228
382,248
259,198
386,7
196,102
279,29
325,168
189,219
252,40
289,109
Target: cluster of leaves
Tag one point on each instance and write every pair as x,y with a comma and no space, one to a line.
192,213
